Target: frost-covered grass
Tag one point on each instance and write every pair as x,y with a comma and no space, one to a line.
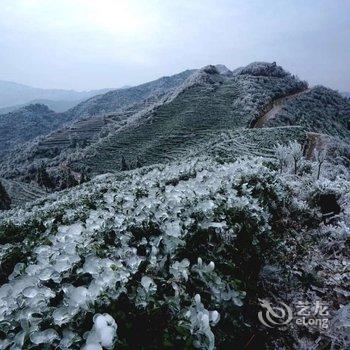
161,257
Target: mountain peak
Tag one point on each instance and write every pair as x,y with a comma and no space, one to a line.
209,74
223,70
216,69
263,69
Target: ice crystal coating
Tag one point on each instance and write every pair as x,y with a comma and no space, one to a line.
103,333
167,240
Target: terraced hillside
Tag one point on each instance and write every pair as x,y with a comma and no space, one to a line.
232,144
209,103
87,130
116,100
94,114
168,121
88,127
31,121
113,101
185,113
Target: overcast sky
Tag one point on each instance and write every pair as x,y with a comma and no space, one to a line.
89,44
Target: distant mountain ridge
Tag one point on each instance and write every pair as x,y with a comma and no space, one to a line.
115,100
56,106
12,94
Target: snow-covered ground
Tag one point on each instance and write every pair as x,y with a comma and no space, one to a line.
169,238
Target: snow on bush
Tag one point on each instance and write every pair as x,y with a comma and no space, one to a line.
166,244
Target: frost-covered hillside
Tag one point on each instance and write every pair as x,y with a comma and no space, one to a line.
180,205
189,109
320,110
84,124
25,124
176,256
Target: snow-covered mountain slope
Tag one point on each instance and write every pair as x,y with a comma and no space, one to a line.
25,124
92,120
105,102
174,256
211,100
177,116
319,110
224,209
116,100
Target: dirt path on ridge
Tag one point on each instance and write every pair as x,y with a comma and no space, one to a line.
276,108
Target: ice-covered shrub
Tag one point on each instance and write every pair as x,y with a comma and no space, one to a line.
103,333
296,152
282,154
171,253
320,157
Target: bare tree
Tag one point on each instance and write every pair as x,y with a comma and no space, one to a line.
296,152
282,154
5,201
320,157
43,178
124,164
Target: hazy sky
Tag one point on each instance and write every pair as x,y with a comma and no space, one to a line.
89,44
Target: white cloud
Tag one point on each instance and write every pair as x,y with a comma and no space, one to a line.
96,43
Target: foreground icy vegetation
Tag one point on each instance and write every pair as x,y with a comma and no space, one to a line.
169,256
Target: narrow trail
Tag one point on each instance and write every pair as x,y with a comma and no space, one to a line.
276,108
315,141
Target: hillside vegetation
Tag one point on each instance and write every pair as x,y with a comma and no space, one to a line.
76,135
210,103
184,115
174,256
320,110
179,209
26,124
122,98
174,117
